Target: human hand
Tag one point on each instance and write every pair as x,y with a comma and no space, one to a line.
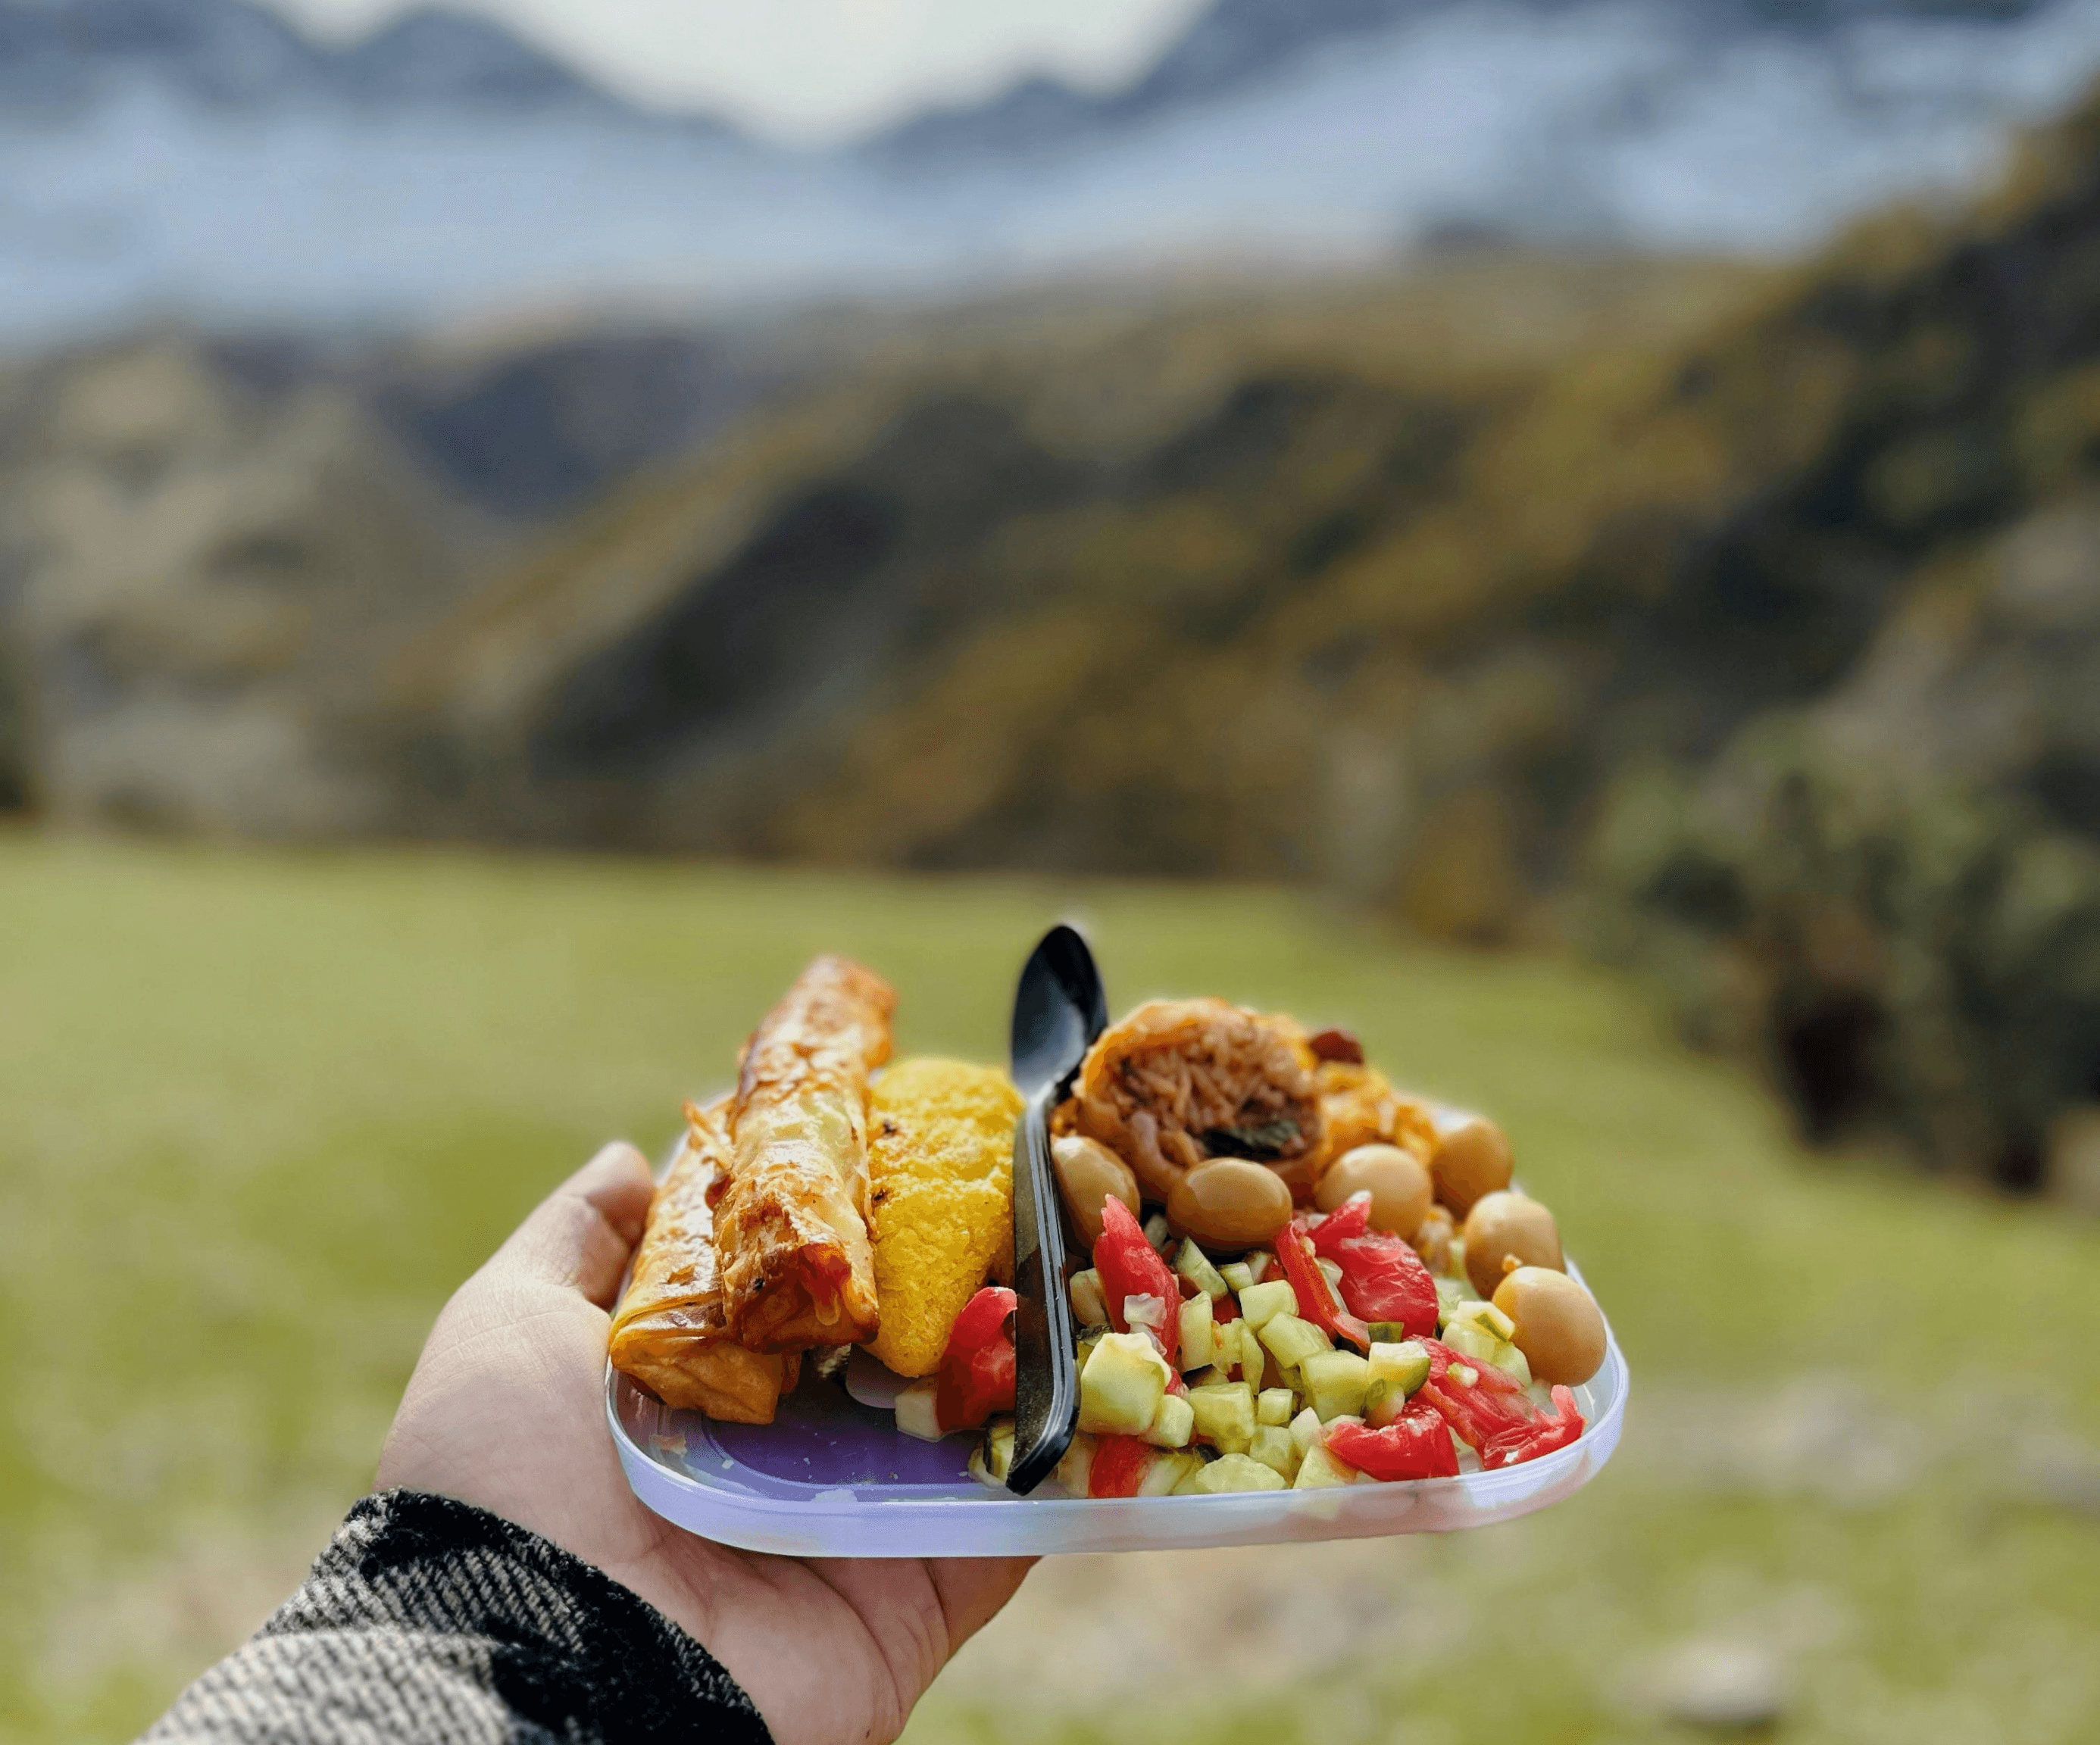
506,1411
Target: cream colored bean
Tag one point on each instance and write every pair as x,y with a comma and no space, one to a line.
1559,1329
1395,1179
1472,1159
1088,1175
1505,1228
1229,1203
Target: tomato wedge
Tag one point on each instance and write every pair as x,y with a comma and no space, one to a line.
976,1376
1119,1465
1130,1267
1417,1444
1494,1416
1383,1278
1315,1302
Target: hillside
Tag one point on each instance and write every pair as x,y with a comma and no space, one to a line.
1354,584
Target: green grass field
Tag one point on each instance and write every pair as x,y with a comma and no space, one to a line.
259,1112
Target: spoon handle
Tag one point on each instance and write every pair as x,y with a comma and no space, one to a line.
1046,1390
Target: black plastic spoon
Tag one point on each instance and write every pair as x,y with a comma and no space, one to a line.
1058,1010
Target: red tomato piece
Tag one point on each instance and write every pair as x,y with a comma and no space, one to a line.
976,1376
1119,1465
1130,1267
1315,1302
1546,1432
1383,1278
1415,1445
1495,1417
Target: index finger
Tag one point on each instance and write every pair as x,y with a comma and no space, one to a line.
582,1234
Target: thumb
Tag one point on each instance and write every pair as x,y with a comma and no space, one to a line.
581,1235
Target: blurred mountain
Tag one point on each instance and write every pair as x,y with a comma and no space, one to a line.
1235,45
61,58
200,158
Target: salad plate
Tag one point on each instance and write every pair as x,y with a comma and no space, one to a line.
825,1298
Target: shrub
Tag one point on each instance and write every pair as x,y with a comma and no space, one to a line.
1900,955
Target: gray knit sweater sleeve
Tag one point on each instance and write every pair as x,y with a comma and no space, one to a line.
429,1620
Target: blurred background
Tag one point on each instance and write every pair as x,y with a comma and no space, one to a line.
1562,533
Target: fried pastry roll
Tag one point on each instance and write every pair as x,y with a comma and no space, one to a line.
669,1332
798,1266
1179,1081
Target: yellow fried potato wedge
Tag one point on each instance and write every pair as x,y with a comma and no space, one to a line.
940,1198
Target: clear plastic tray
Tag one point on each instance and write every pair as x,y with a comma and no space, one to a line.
833,1476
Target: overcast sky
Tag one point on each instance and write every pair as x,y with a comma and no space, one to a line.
815,69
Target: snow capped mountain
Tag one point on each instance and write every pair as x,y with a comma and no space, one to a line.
200,156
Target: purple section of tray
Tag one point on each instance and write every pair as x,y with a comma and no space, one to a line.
823,1437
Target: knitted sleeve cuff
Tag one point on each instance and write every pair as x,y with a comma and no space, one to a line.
432,1620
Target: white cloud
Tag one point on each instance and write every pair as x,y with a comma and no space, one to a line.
814,70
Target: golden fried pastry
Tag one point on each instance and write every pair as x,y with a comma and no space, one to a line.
668,1331
798,1262
1178,1081
1358,1106
941,1199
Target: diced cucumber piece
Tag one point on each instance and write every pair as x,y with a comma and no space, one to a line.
1305,1429
1193,1265
1172,1423
915,1416
1383,1403
1459,1376
1089,1308
1224,1416
1389,1333
1450,1293
1273,1448
1469,1340
1290,1341
1083,1346
1337,1381
1199,1332
1252,1365
1272,1405
1168,1472
1217,1375
1458,1258
1259,1261
1156,1231
1486,1316
1236,1275
1232,1472
1076,1465
1259,1304
1122,1386
1496,1322
1512,1362
1332,1271
1319,1470
1404,1364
